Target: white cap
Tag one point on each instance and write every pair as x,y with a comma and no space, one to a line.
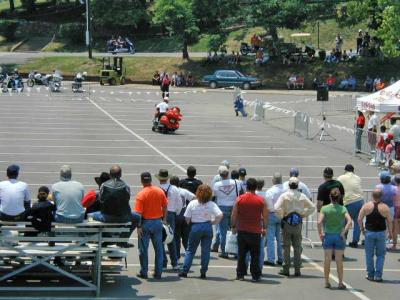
223,170
166,98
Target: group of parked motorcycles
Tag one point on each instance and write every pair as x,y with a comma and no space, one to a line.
15,82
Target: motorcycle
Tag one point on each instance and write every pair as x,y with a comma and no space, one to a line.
169,122
127,48
246,49
55,83
77,86
37,78
13,83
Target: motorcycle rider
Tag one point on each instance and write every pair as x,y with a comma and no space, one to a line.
16,79
161,108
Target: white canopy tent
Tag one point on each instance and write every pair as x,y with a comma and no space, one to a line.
383,101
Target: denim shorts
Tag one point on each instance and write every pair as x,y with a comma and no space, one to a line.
333,241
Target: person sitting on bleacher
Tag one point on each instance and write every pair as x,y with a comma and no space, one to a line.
67,194
91,200
42,212
14,197
114,204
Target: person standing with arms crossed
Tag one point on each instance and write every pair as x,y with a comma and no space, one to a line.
151,204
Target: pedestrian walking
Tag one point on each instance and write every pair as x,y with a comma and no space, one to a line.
274,222
360,123
333,224
201,213
292,206
378,221
373,123
353,199
249,219
151,204
174,208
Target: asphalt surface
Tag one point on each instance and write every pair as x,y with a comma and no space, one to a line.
112,125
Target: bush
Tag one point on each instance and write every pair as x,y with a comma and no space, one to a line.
8,29
73,32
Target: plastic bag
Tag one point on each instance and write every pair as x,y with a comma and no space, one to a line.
231,245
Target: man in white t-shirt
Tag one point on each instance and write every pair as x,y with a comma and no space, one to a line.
14,196
162,108
225,191
217,177
303,188
395,130
174,208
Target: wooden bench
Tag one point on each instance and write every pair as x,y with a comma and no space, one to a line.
80,244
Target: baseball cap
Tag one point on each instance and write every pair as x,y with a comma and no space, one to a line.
223,170
294,172
384,175
145,177
349,168
293,181
242,171
328,172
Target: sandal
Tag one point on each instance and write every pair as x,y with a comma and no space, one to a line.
341,286
327,285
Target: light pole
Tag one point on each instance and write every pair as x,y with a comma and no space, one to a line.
88,27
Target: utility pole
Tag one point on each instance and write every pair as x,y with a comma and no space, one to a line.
88,29
318,34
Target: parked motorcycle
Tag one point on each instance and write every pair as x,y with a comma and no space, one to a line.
36,78
77,86
169,122
246,49
55,83
127,48
13,82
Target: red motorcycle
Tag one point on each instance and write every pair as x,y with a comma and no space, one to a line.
169,122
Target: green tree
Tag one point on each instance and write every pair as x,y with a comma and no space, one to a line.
119,13
12,5
29,5
389,30
178,19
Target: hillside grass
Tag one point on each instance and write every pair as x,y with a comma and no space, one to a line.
273,75
5,4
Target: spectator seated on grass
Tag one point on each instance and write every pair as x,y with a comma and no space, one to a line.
299,84
317,81
345,56
331,82
291,83
331,58
189,79
180,80
156,78
369,84
348,83
173,78
352,55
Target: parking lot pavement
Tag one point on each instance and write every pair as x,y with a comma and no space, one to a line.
42,131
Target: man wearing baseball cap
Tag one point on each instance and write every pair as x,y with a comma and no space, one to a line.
325,188
217,177
303,188
151,204
353,199
14,196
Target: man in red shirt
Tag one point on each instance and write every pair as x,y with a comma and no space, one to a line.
360,123
249,219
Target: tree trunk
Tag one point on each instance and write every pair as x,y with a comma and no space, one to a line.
273,31
12,6
185,53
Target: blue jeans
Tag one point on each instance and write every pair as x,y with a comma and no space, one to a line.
181,233
62,219
274,232
354,209
242,111
171,246
358,138
134,218
152,230
375,244
223,227
200,233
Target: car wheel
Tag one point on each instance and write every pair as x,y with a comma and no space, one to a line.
122,81
213,85
113,81
101,82
246,86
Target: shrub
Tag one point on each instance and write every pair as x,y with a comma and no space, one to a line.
73,32
8,29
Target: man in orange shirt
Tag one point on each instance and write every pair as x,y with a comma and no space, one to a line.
151,204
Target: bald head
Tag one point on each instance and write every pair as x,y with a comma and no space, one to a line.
115,172
66,172
377,195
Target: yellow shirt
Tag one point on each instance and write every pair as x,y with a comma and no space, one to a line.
352,185
293,201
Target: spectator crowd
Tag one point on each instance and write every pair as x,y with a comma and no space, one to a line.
241,211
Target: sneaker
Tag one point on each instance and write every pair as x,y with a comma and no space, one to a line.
341,286
284,273
268,263
297,274
203,276
126,245
369,278
214,249
156,276
143,276
240,278
327,285
378,279
353,245
255,279
182,274
224,255
279,262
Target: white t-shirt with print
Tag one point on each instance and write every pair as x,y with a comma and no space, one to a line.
226,191
202,212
